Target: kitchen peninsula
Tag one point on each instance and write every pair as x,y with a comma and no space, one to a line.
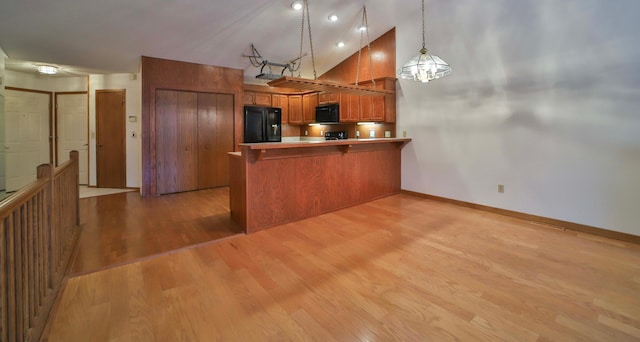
276,183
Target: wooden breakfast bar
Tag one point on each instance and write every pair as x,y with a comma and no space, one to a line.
276,183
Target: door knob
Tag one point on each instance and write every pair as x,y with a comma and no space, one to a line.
187,148
99,145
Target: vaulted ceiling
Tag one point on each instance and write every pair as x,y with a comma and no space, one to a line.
84,36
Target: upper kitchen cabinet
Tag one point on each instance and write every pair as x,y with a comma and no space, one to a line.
379,108
253,98
349,107
309,104
282,102
295,109
326,97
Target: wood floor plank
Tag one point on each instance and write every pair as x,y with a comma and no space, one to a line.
122,227
400,268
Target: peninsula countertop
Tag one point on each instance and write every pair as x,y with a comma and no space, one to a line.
314,143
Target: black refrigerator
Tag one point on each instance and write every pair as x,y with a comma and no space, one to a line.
262,124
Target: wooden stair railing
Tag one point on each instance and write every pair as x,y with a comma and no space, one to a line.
39,227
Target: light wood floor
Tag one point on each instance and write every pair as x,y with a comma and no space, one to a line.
122,227
400,268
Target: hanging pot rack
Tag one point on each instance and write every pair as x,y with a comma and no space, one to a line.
306,84
315,85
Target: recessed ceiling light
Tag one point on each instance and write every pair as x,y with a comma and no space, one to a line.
47,69
297,5
333,17
362,28
340,44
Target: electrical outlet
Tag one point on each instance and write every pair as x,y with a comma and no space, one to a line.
500,188
305,132
404,134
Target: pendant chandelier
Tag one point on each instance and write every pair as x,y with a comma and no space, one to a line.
424,67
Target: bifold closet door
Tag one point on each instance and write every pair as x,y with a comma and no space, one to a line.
176,141
215,139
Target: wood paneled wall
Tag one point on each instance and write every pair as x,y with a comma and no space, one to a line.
383,52
175,75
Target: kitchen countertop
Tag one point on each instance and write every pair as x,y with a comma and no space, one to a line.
314,143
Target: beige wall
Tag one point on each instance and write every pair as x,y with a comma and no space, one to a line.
543,98
133,89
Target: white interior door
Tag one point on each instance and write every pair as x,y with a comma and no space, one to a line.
72,131
26,136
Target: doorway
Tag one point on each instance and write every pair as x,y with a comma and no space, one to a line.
27,135
110,139
72,130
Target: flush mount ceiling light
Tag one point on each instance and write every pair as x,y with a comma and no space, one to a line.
297,5
47,69
424,67
333,18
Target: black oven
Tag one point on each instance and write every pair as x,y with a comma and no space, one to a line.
329,113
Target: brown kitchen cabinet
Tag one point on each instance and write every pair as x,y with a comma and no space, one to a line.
379,108
372,108
282,102
295,109
328,97
309,104
256,98
349,107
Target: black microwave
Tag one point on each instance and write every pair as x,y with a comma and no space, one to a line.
329,113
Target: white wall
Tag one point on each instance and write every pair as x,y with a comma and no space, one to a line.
133,89
544,98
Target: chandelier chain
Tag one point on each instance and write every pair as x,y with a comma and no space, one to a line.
313,61
423,45
301,40
365,24
360,48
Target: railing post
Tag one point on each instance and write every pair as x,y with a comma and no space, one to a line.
75,157
45,171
